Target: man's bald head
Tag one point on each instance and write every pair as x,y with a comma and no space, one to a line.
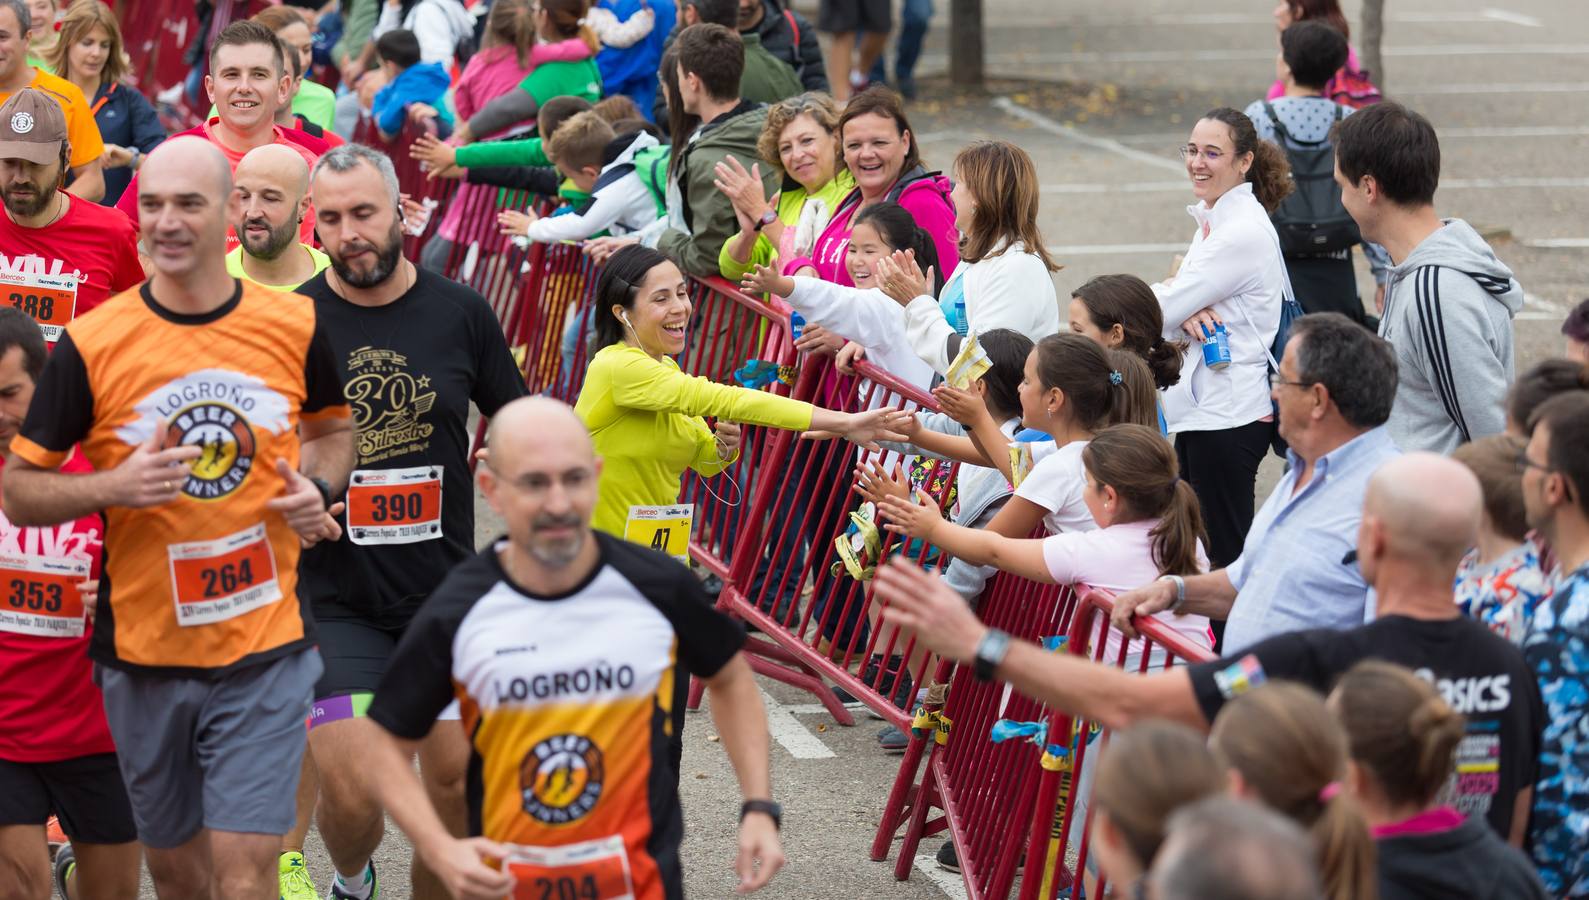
183,156
1428,507
541,478
271,184
185,202
531,423
275,164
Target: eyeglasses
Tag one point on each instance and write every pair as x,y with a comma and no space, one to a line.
1524,463
1192,151
1276,379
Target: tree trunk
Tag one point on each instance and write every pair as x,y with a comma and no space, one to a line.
966,66
1373,34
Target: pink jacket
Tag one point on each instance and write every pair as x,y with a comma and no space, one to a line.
927,199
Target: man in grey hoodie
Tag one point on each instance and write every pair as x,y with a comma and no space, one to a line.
1449,302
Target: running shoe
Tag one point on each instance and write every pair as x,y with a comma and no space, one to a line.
947,858
65,863
54,837
892,740
375,888
294,877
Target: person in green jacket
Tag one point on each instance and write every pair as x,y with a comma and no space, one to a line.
800,144
645,415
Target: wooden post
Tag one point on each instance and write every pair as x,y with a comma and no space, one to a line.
966,65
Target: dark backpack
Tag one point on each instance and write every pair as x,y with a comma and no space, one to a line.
1311,220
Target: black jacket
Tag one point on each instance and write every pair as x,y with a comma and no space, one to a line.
791,37
1469,862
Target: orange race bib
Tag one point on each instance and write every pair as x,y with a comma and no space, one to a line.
593,870
50,299
40,595
394,506
213,581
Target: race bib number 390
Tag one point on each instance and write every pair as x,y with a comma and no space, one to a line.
394,506
50,299
40,595
213,581
593,870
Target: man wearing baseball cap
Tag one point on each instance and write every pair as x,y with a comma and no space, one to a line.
88,177
60,255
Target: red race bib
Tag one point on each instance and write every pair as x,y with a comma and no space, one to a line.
50,299
40,595
212,581
394,506
593,870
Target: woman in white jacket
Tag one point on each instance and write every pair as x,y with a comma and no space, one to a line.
1232,278
1004,277
440,26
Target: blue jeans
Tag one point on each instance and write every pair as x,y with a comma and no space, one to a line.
914,19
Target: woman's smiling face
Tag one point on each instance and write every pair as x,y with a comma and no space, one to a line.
874,151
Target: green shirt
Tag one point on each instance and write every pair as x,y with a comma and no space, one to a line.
316,103
234,267
766,78
525,152
790,203
557,79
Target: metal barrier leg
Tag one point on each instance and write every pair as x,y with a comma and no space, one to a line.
907,791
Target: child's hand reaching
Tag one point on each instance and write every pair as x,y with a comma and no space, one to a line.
906,516
515,223
965,407
766,280
436,153
873,483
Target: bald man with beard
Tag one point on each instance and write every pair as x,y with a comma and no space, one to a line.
272,188
1420,515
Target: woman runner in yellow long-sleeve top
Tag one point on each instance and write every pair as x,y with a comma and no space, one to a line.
646,416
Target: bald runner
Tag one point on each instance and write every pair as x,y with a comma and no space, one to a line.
272,188
1420,514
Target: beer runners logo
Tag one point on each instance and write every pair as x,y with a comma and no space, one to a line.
388,405
218,412
561,779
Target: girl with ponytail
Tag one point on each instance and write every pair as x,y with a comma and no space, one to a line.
1286,751
1233,280
1402,738
1147,526
1120,311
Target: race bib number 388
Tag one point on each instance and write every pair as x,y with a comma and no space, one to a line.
50,299
213,581
40,595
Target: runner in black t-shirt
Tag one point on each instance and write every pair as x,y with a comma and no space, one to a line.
1420,515
414,349
571,653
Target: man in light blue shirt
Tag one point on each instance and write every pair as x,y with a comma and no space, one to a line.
1334,391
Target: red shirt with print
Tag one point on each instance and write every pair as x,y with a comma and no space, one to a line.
58,272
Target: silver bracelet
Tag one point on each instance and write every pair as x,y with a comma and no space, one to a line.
1180,591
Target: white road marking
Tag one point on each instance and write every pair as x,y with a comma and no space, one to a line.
1538,309
950,883
787,731
1070,133
1185,56
1514,18
1064,250
1557,243
1544,87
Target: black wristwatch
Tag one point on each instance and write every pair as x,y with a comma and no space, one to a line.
766,218
991,651
325,489
763,806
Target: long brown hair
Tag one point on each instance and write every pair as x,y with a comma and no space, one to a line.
1139,786
1288,749
568,19
1327,10
510,24
1270,174
1127,301
1140,465
1003,184
81,18
1400,731
1080,370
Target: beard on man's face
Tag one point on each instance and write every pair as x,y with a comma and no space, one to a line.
386,259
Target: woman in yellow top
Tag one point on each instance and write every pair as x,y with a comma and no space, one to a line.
800,142
644,414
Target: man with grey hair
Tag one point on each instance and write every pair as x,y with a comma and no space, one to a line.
1223,848
1334,390
414,349
16,73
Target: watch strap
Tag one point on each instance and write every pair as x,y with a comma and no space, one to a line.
773,810
991,650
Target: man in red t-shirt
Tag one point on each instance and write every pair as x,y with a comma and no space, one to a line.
60,255
56,754
248,83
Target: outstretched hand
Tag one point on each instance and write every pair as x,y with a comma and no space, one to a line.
908,517
766,280
901,278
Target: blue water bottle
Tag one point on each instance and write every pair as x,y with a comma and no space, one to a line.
797,324
1216,347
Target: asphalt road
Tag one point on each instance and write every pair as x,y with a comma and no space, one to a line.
1101,95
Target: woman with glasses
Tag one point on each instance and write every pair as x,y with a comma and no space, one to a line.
1226,298
799,142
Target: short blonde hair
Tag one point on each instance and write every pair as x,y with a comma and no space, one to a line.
80,19
580,142
817,105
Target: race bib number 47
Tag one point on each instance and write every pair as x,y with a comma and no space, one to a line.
50,299
41,596
213,581
665,528
593,870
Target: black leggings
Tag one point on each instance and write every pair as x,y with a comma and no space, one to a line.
1223,469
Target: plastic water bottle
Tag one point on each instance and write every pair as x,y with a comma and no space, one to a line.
797,324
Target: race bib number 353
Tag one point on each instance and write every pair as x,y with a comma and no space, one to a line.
40,595
213,581
593,870
394,506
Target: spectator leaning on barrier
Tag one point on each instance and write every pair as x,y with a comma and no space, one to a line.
90,55
1556,494
787,35
409,80
631,69
1449,302
1334,391
1420,515
620,172
567,70
1233,850
1402,738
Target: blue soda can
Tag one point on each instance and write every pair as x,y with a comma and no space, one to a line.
797,324
1216,347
